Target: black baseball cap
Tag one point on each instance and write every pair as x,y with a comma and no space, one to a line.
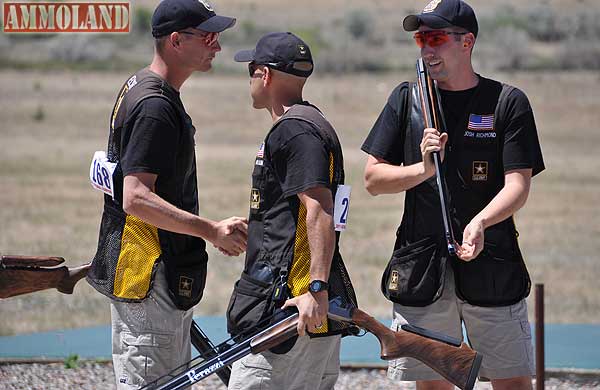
175,15
444,13
282,51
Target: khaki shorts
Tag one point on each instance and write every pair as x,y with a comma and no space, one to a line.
501,334
312,364
149,338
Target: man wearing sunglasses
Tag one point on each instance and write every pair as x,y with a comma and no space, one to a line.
151,259
490,153
293,257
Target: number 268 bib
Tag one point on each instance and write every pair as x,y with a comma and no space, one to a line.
101,173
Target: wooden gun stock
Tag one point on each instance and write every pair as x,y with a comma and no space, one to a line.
39,261
25,274
459,365
456,362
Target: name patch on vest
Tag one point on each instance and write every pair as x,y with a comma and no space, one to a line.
480,171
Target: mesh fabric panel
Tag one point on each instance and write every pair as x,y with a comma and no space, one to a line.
139,250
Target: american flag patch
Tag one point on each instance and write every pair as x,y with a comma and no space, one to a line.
261,151
481,122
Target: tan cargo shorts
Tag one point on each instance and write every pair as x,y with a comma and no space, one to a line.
501,334
149,338
311,364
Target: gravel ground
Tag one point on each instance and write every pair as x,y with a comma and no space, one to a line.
93,375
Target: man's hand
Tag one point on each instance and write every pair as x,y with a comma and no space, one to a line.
312,310
432,142
230,236
472,241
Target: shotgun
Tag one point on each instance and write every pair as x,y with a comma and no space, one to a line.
26,274
456,362
433,115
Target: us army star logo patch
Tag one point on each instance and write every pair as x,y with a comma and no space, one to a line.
480,170
393,280
255,199
185,286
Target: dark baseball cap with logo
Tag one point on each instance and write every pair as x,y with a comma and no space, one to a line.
282,51
175,15
444,13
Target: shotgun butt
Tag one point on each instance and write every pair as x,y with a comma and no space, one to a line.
458,365
23,280
74,275
26,274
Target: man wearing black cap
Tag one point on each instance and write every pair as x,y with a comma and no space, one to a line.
151,258
490,151
293,258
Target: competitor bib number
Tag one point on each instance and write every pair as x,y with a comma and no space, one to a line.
101,173
341,207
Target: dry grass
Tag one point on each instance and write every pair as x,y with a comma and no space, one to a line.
48,208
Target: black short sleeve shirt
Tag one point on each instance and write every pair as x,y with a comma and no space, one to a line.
386,139
300,159
151,141
521,144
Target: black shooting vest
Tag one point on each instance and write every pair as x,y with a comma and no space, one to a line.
129,249
474,173
271,273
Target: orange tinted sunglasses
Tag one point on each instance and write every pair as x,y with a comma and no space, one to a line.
434,38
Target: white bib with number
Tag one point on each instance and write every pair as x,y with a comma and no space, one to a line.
101,173
341,207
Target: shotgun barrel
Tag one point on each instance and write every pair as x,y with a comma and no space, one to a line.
263,340
430,105
208,350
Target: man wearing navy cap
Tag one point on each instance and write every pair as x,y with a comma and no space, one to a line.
151,259
490,152
293,256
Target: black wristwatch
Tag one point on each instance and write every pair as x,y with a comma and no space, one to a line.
318,285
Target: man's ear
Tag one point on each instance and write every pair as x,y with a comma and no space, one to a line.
175,39
267,75
469,40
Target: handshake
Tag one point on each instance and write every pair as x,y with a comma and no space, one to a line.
230,236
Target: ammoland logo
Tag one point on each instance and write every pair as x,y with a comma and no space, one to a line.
58,17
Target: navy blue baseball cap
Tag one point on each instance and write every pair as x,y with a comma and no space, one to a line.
175,15
282,51
444,13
